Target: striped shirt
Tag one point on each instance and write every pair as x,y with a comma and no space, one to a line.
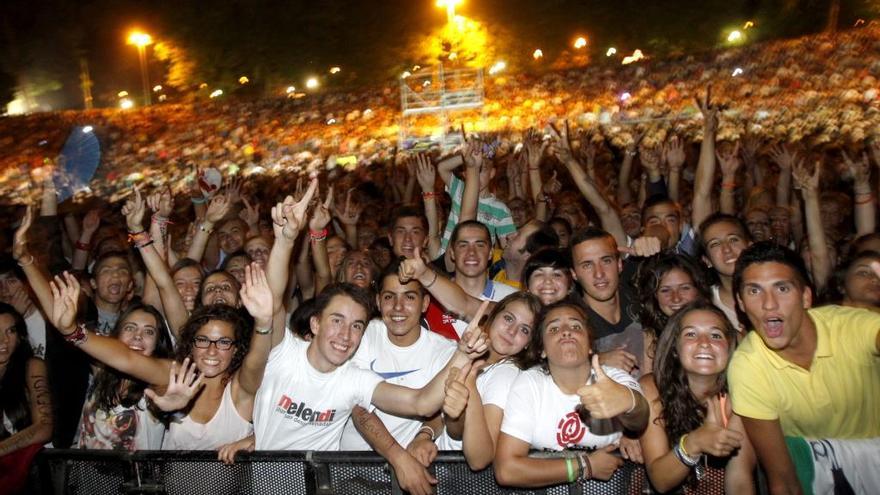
491,212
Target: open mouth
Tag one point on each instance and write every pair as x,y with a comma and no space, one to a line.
773,326
704,357
340,347
114,289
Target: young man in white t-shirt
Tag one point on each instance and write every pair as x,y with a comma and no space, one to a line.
309,389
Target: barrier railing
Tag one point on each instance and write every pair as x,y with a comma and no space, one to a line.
91,472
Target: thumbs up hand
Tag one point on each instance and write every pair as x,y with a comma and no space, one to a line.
712,437
457,393
604,398
412,268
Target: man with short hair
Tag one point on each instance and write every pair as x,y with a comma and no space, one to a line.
112,283
804,372
408,231
530,238
597,268
470,250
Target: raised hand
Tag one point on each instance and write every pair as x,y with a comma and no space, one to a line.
457,392
784,156
474,342
561,147
534,147
673,153
19,241
321,214
803,180
729,161
875,152
256,296
161,203
860,170
184,382
426,173
552,185
642,247
351,212
712,437
250,214
604,398
91,222
650,159
217,208
65,301
133,211
709,110
750,146
412,268
233,190
473,155
294,213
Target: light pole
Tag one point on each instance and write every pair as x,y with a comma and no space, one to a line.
141,40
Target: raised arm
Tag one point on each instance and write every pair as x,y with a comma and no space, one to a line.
561,148
819,255
444,290
256,297
624,191
427,176
473,164
172,302
785,158
674,155
702,203
318,225
217,209
865,202
91,222
108,350
729,163
349,216
288,218
35,276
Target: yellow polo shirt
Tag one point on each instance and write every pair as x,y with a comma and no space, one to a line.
838,397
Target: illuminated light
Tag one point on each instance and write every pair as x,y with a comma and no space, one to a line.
453,56
405,74
748,25
290,89
87,129
312,83
497,67
216,93
635,57
537,54
335,70
125,104
243,80
580,43
735,36
416,67
859,23
611,51
139,39
736,72
122,94
426,84
625,96
203,85
449,5
368,111
331,121
157,88
163,97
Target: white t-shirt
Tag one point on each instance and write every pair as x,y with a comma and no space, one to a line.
494,384
494,291
36,327
299,408
541,415
413,366
729,312
226,426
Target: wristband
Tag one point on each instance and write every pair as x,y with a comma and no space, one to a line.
145,244
865,201
318,235
570,468
427,429
29,263
588,472
692,461
197,201
429,195
206,230
83,246
432,281
728,185
263,331
79,336
139,232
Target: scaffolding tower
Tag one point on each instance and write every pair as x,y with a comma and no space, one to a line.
437,92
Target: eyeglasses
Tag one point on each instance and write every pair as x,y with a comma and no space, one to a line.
223,344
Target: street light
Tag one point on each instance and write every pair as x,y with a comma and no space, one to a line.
141,40
450,8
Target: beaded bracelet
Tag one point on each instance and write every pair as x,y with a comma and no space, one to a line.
429,195
318,235
79,336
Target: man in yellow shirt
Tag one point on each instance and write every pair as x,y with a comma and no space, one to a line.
803,372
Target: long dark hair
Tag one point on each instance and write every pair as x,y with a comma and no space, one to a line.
107,394
649,276
681,411
13,386
531,355
242,325
531,301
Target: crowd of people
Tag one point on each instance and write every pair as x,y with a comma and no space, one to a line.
698,295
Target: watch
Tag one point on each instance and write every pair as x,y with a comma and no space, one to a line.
263,331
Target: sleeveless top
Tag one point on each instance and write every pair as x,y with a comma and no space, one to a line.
225,427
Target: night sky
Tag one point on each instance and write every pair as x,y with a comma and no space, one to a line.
274,41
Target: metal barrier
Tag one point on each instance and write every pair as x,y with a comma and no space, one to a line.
90,472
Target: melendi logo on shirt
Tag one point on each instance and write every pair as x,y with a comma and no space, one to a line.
299,412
